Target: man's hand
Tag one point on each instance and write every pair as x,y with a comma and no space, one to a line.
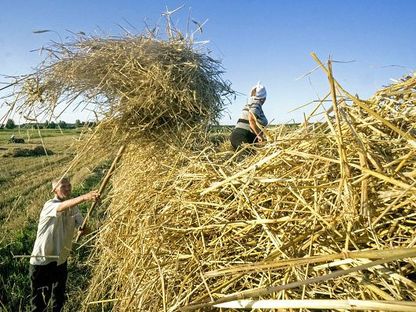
83,231
261,139
92,196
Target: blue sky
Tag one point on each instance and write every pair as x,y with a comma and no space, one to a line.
267,40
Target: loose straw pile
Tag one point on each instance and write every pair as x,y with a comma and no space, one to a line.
324,212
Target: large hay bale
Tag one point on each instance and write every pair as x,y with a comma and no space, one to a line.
189,227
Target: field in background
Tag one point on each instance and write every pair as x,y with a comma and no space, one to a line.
23,178
24,187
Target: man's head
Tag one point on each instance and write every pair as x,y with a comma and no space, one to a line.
259,92
61,187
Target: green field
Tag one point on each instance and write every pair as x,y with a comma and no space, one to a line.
24,187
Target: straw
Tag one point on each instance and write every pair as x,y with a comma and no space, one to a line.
191,224
351,304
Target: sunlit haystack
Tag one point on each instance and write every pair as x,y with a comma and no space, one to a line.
322,212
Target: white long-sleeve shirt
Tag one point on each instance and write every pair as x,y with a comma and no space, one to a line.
55,233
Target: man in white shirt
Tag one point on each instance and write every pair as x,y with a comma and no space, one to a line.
48,266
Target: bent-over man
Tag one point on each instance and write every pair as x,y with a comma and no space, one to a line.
247,130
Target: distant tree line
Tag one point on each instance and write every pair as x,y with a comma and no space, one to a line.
10,124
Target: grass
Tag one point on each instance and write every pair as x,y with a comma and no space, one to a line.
24,187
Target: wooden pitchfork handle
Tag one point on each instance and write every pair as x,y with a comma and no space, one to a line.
102,186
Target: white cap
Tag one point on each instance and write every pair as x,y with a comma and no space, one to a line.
260,91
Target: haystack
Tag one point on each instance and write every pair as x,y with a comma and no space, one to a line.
322,212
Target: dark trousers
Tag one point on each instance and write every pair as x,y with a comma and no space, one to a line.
48,281
240,136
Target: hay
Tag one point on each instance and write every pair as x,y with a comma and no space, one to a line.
37,150
137,86
322,212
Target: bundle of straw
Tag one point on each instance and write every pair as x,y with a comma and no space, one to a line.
323,212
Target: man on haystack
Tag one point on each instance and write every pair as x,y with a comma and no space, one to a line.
247,129
48,266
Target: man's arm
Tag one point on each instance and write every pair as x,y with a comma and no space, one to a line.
91,196
253,125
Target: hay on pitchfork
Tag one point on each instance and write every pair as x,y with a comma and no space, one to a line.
136,85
